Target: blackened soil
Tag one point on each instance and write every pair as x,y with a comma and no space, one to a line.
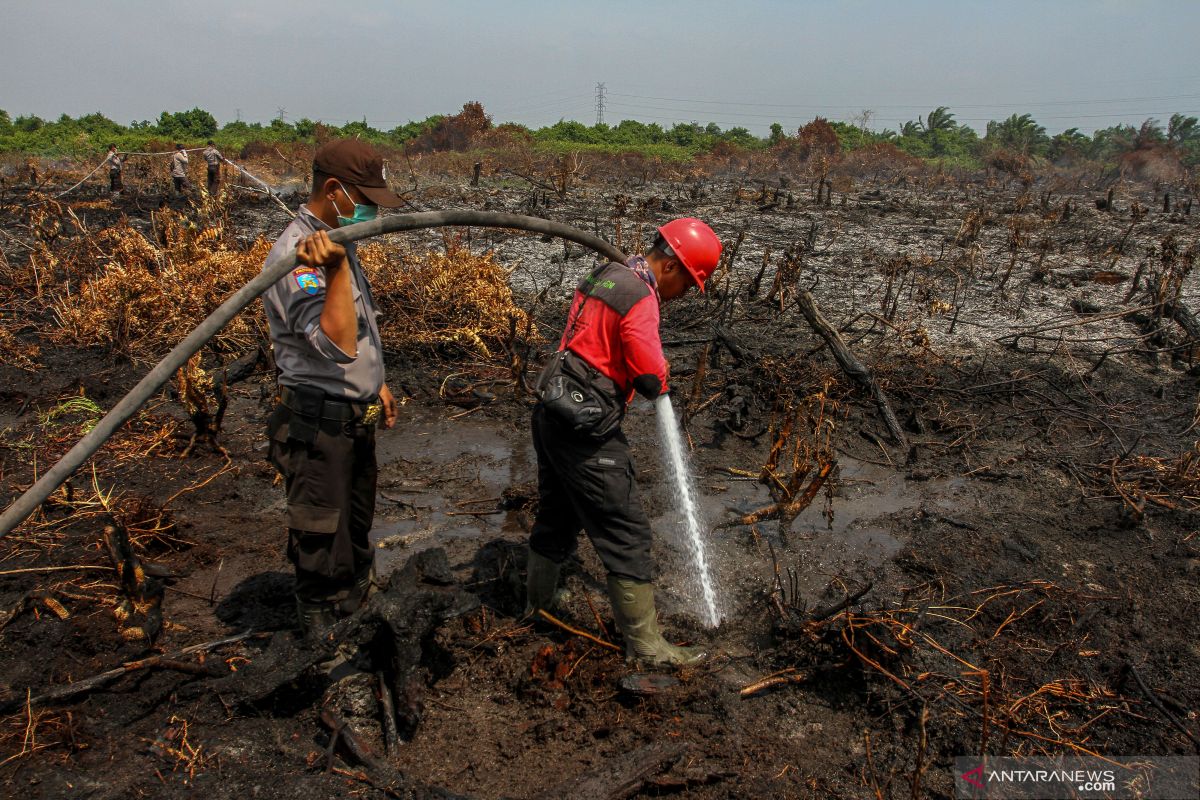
1017,604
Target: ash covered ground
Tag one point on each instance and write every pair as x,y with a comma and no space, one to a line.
1014,574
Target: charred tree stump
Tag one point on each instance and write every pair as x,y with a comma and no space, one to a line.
1186,319
850,364
475,173
139,611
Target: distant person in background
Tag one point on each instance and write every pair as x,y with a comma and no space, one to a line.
179,165
115,162
213,158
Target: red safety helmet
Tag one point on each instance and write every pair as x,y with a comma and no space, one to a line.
695,245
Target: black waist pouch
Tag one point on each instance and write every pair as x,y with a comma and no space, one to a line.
306,414
579,397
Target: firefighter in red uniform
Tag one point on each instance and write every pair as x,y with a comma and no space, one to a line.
588,483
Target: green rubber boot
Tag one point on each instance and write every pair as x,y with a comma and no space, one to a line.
541,586
633,608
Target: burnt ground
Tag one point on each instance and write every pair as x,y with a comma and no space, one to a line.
1021,576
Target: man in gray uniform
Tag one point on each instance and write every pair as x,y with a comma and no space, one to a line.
331,386
213,157
115,162
179,166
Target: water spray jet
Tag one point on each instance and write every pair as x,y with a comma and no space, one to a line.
684,491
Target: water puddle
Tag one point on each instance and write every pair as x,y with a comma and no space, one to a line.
852,537
440,479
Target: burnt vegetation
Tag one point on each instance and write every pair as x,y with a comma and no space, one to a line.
943,412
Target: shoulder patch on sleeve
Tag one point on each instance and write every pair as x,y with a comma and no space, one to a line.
308,279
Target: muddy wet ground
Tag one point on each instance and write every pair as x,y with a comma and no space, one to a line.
1021,596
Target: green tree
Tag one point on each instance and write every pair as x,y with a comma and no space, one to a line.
1181,129
630,132
1020,133
1070,144
940,119
29,123
741,137
411,130
305,128
687,134
937,129
777,134
567,131
281,131
194,124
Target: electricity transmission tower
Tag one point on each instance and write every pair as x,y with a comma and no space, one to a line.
600,103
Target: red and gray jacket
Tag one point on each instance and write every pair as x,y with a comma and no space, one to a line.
617,331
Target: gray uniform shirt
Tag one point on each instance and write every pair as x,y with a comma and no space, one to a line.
304,355
179,164
213,156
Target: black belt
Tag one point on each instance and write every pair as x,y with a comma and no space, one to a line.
364,412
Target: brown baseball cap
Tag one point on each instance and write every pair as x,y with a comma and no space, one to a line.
355,162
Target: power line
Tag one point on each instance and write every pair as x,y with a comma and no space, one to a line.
683,113
539,104
819,107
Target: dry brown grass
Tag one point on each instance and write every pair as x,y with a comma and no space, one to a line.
145,298
450,304
17,353
141,297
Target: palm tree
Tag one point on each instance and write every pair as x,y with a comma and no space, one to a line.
940,119
1069,143
1018,132
936,127
1182,129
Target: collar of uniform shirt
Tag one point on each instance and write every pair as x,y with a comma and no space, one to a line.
317,222
641,268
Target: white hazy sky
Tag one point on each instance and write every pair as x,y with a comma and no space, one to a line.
1069,63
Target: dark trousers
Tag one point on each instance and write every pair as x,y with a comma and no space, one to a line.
589,485
114,181
330,505
214,179
181,184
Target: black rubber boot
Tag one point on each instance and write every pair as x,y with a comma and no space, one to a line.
541,585
315,618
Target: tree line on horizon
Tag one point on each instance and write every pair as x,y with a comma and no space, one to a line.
936,136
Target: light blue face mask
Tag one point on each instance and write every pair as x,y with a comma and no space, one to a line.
362,213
